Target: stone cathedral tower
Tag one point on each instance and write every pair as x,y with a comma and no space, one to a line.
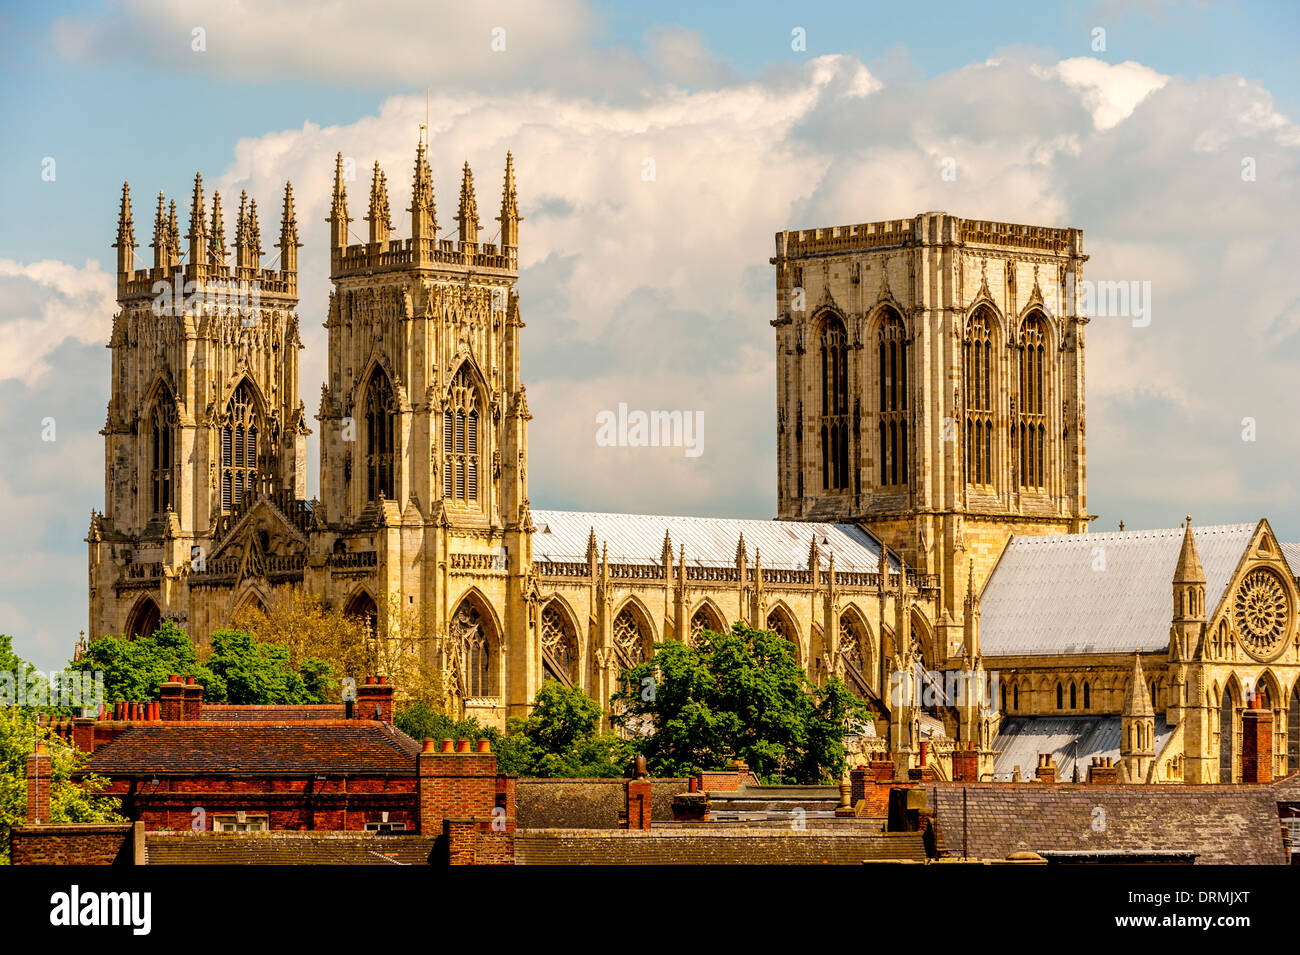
204,409
930,385
424,424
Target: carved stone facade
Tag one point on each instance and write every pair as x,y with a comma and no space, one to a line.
930,436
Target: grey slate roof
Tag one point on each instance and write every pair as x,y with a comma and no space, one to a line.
1291,551
1021,738
1046,597
1235,825
710,541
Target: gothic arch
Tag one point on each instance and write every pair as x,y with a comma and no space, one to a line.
1293,729
475,634
1271,687
558,638
981,394
144,619
361,605
250,598
633,632
923,637
379,440
854,649
707,616
832,352
160,439
465,436
242,427
1031,432
783,622
889,348
1229,721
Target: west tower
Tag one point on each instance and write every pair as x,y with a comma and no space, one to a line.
204,409
930,385
424,447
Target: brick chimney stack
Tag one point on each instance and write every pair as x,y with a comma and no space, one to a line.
191,700
1046,772
39,771
172,699
1256,742
375,700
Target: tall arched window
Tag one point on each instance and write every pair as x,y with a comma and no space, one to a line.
704,619
381,438
780,624
1087,696
1015,697
162,453
1074,697
631,637
1293,730
1029,430
472,636
1060,697
460,439
854,648
144,620
239,450
559,645
1227,737
892,372
835,404
977,370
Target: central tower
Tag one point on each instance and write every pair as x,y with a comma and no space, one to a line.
930,385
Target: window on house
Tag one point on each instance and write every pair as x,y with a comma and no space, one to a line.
240,822
385,827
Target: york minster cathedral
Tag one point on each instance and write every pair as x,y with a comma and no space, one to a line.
931,545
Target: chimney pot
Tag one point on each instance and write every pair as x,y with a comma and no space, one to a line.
370,681
448,745
485,746
189,681
462,746
428,746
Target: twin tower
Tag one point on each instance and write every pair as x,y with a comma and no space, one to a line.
422,418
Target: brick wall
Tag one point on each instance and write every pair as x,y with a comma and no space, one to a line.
341,804
479,841
76,844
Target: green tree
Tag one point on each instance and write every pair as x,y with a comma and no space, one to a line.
133,669
422,721
561,738
736,695
81,801
255,672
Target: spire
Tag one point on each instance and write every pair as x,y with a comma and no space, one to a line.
198,234
288,244
125,243
338,217
666,553
424,217
1137,700
591,545
173,233
742,553
217,235
972,601
468,214
1189,570
162,250
379,218
248,236
509,217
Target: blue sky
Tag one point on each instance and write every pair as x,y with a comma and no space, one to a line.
661,298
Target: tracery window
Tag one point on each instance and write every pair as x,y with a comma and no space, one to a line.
853,651
703,619
239,449
1029,430
381,437
460,441
559,645
892,371
472,640
977,369
162,453
835,405
630,640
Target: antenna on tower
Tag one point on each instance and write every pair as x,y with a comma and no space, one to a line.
424,130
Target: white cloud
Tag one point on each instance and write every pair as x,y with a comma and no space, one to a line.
42,305
1110,90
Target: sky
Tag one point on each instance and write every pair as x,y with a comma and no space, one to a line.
1133,121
